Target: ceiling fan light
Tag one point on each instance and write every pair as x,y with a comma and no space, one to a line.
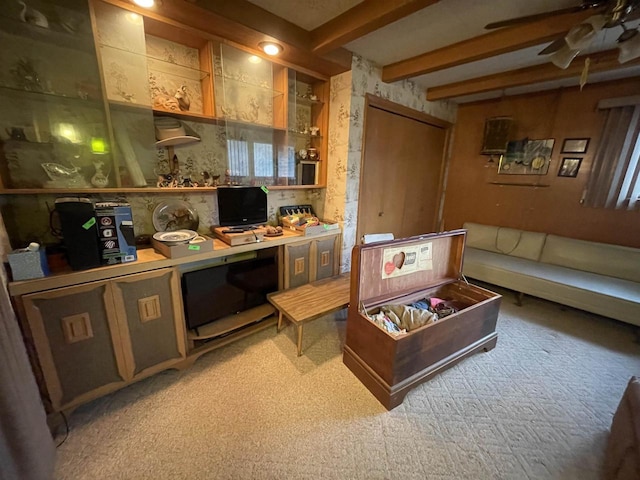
629,49
563,57
580,36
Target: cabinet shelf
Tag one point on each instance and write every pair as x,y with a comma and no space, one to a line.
175,69
305,101
305,135
514,184
113,190
267,90
49,36
199,117
43,96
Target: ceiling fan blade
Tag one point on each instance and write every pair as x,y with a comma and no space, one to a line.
533,18
554,46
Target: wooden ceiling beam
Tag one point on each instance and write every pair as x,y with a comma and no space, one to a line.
599,62
488,45
360,20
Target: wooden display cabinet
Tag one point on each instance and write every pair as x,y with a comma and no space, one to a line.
402,272
97,337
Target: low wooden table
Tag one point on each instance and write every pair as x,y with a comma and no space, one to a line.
311,301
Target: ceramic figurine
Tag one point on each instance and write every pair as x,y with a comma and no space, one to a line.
165,180
227,177
32,16
99,179
184,102
314,131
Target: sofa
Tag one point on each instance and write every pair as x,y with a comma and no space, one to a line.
595,277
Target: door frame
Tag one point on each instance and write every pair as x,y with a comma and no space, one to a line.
397,109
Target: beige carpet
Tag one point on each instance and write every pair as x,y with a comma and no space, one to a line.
537,406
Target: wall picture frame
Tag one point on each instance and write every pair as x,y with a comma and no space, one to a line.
575,145
569,167
526,157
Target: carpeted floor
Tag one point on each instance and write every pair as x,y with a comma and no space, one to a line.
537,406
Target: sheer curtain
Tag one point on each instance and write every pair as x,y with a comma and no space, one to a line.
614,181
27,451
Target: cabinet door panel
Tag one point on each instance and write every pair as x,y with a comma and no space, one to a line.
324,254
297,264
74,333
151,316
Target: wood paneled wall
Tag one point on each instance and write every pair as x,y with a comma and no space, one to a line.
559,114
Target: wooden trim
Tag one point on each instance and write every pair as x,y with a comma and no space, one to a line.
488,45
178,312
114,305
618,102
601,61
206,65
313,260
280,84
389,106
214,26
43,349
360,20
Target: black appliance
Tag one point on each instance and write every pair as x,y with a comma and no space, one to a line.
79,231
241,206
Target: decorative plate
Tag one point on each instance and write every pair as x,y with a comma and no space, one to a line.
175,238
174,215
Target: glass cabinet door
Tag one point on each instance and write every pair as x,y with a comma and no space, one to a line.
52,122
306,125
125,72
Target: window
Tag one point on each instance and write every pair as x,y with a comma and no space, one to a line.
250,159
614,181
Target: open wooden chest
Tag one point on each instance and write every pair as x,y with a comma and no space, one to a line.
402,272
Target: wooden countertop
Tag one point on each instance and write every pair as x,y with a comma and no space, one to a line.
149,259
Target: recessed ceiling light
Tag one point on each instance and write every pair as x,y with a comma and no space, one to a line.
144,3
254,59
270,48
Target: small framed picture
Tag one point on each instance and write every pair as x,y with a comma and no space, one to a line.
569,167
575,145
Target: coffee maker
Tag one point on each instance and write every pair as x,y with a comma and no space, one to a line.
79,231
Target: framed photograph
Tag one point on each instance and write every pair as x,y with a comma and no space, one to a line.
526,157
575,145
569,167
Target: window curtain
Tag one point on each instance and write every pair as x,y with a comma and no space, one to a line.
614,179
27,451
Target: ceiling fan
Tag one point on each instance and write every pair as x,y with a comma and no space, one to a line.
606,14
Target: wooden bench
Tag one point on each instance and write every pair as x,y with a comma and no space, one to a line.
311,301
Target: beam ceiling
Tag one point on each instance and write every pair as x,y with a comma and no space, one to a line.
599,62
494,43
360,20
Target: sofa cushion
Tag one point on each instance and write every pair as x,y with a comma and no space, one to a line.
607,296
508,241
603,258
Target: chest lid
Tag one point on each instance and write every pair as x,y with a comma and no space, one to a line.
385,270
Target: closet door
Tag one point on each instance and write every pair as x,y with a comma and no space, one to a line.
402,170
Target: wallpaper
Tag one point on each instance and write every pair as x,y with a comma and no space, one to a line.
366,77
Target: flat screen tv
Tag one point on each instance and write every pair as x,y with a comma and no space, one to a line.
239,206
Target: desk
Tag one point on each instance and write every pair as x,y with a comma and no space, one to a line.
311,301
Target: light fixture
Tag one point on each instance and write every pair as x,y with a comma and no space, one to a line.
270,48
563,57
629,49
144,3
628,43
